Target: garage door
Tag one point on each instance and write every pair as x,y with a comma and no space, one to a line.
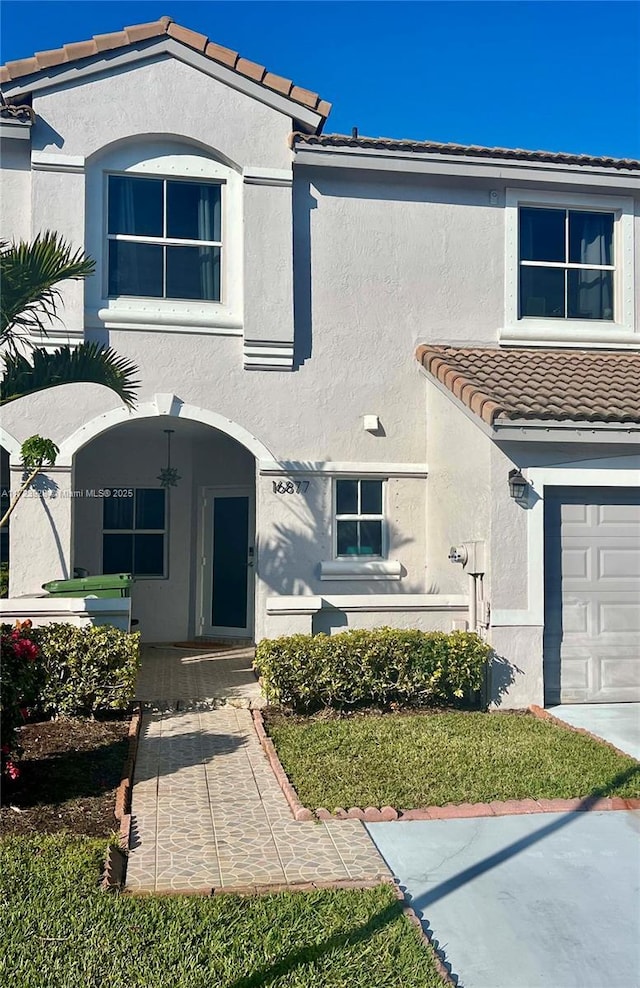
592,595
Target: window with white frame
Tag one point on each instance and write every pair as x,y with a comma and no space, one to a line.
569,268
164,238
567,263
359,519
134,531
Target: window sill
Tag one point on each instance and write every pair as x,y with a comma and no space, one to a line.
567,333
360,569
177,317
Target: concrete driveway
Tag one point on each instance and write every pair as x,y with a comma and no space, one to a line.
618,723
538,901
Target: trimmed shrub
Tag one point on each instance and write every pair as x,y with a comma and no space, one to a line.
87,669
379,667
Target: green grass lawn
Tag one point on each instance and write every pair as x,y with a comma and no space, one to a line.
60,929
430,759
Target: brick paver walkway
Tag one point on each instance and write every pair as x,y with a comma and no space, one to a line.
207,810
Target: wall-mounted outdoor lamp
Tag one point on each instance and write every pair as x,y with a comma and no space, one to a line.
517,484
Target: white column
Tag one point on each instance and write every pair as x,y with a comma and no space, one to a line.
40,531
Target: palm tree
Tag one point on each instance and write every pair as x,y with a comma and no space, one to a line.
30,274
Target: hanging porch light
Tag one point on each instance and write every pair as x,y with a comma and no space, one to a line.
169,476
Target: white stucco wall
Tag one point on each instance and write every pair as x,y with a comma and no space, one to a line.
15,189
459,495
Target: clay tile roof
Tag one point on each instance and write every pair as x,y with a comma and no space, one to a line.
522,384
77,51
463,150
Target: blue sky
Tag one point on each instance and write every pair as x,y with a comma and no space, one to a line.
550,74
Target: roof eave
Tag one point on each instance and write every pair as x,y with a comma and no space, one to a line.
305,117
522,430
434,163
565,430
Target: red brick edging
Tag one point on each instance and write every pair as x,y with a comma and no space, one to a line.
374,814
115,864
425,935
299,811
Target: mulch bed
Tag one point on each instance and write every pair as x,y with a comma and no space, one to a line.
69,772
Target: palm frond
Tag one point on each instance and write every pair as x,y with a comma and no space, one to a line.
29,274
89,363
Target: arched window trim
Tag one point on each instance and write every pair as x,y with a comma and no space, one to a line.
176,160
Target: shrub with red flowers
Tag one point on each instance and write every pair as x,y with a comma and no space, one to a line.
21,678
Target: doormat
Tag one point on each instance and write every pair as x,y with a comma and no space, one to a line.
211,646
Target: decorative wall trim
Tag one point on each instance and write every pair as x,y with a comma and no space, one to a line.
552,337
268,355
178,320
268,176
308,604
302,604
334,468
43,161
162,404
13,129
68,610
360,569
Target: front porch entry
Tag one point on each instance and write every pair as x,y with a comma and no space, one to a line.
189,543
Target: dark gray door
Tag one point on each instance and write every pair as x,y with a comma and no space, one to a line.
592,595
230,562
227,563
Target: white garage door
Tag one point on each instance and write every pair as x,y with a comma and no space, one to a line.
592,595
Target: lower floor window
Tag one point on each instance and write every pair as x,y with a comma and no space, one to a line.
133,538
359,519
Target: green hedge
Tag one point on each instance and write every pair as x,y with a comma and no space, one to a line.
379,667
87,669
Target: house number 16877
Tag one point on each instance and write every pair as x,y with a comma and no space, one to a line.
290,486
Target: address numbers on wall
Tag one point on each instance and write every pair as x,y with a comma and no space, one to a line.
290,486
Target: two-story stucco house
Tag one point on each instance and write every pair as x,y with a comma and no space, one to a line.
362,352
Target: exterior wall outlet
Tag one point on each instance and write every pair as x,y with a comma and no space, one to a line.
371,423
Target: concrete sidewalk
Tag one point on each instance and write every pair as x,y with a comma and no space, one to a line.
547,901
618,723
207,811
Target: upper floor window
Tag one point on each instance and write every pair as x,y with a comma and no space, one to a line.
164,238
359,518
567,263
569,269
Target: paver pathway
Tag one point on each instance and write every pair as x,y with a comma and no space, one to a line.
207,812
169,674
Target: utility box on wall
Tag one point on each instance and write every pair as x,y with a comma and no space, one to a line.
471,555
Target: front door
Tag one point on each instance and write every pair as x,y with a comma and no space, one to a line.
226,605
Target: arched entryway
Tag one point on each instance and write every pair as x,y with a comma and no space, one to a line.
190,543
